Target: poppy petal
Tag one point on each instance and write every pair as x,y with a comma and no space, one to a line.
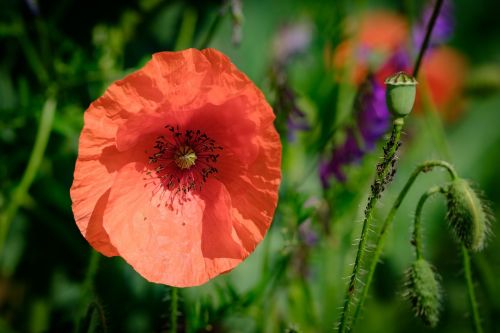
181,247
92,180
254,191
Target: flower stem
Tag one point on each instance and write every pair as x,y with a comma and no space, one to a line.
428,33
417,233
19,193
173,310
383,176
373,199
379,245
470,290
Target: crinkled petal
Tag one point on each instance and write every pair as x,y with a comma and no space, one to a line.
92,180
254,190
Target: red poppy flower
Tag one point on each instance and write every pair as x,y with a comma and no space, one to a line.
178,168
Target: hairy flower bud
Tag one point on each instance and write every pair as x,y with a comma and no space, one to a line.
423,291
468,215
400,93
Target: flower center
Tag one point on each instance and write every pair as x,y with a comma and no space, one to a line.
183,161
185,157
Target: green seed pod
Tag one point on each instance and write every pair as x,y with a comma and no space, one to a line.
423,291
400,93
468,215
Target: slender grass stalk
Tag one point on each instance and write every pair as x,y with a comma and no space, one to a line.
173,310
36,157
88,282
434,124
213,28
186,31
33,60
381,179
417,233
380,243
86,301
427,38
470,290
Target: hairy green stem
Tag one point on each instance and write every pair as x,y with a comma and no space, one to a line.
470,289
371,203
417,233
380,243
173,310
377,187
427,38
19,193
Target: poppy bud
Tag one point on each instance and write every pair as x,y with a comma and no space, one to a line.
400,93
423,291
468,215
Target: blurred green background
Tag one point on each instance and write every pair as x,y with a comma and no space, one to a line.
56,57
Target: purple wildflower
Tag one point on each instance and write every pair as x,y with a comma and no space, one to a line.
296,122
307,233
373,116
291,40
398,61
372,119
345,154
286,104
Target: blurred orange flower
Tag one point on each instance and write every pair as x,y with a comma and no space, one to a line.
373,37
444,70
383,31
178,168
